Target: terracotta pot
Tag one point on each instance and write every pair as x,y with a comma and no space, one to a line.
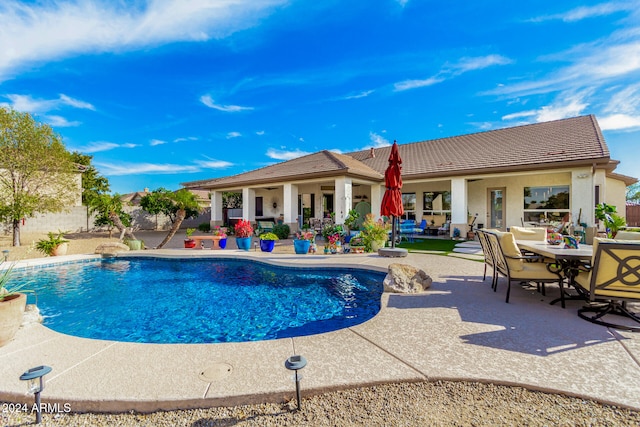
60,250
11,312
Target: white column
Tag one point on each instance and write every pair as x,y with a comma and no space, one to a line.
459,206
377,191
290,206
249,204
343,197
216,208
582,196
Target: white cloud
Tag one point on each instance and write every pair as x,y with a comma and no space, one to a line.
285,154
519,115
359,95
377,140
232,135
625,101
213,164
184,139
59,121
118,169
260,133
414,84
584,12
209,102
619,122
155,142
28,104
37,32
97,146
463,65
402,3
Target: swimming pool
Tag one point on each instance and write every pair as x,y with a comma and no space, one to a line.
160,300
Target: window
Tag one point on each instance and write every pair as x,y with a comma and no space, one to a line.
409,205
436,203
545,204
259,211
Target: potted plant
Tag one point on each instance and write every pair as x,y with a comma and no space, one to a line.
374,233
222,233
54,245
189,243
303,240
243,231
267,241
357,245
12,304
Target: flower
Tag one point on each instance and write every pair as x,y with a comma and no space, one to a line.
306,235
243,228
219,231
333,238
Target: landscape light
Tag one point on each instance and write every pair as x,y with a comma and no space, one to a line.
5,252
35,385
294,363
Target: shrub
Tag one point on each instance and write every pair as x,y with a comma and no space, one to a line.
205,227
281,230
243,229
268,236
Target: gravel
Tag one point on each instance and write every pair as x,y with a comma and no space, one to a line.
405,404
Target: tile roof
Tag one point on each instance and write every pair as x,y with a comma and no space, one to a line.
537,146
321,164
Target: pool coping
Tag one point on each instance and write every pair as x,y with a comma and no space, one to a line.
458,330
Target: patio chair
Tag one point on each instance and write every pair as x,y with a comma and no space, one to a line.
612,281
529,233
488,257
407,228
627,235
510,263
423,226
444,229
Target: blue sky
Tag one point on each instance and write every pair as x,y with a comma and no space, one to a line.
162,92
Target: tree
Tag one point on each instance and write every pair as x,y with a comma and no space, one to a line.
633,193
36,171
93,184
110,212
176,205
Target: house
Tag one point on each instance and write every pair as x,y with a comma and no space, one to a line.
531,174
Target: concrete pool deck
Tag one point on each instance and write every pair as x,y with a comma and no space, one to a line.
458,330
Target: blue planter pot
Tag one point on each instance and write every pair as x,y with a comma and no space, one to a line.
223,243
301,246
267,245
243,243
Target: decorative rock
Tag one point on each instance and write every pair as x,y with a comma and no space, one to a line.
111,248
403,278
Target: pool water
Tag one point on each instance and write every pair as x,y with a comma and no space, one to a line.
155,300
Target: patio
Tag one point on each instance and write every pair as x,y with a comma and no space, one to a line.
459,330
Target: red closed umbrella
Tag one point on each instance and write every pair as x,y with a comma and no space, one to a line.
392,199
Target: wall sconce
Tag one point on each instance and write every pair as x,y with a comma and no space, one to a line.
5,253
295,363
275,205
583,176
35,385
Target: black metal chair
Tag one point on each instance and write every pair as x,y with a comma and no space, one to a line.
510,263
612,281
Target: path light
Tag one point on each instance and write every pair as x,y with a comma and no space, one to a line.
255,246
294,363
5,252
35,384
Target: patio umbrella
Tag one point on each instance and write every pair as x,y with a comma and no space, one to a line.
392,199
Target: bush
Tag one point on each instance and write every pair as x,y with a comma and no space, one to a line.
281,230
205,227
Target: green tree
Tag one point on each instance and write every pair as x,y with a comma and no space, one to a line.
36,171
176,205
633,193
109,211
93,184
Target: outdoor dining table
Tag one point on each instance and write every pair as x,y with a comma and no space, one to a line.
567,261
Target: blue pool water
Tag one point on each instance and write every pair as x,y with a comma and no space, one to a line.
153,300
